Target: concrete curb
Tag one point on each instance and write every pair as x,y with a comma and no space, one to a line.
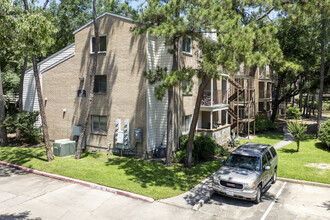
303,182
81,182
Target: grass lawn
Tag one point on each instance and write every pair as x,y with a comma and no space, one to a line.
292,164
270,139
146,178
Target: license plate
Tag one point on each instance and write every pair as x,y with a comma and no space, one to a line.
230,193
231,185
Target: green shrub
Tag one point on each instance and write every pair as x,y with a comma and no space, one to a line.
204,149
293,112
25,122
324,134
233,141
263,124
326,105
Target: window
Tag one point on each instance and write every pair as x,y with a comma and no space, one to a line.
99,124
273,151
269,157
102,43
264,161
186,45
186,87
100,84
186,121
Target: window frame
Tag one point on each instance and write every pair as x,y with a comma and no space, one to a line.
185,129
190,46
100,92
91,44
99,124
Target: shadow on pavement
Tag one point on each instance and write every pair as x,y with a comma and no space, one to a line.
21,216
9,171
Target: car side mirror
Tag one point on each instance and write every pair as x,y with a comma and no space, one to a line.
222,160
267,167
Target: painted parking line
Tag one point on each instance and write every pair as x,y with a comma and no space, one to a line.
273,202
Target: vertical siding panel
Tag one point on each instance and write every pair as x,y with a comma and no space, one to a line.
157,55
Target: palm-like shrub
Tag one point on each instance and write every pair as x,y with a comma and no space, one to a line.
233,141
297,130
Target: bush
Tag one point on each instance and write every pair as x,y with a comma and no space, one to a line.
204,149
233,141
324,134
263,124
25,122
293,112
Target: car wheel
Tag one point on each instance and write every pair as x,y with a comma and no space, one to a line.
274,177
258,196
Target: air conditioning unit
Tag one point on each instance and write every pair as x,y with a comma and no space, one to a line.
64,147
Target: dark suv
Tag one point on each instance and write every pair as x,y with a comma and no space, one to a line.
248,170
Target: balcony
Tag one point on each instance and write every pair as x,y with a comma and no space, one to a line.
213,98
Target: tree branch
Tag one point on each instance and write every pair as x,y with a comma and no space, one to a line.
45,5
26,5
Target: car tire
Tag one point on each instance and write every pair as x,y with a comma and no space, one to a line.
274,178
257,200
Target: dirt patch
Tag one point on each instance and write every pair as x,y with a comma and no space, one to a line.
323,166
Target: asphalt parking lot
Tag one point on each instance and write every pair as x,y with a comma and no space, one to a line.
29,196
283,200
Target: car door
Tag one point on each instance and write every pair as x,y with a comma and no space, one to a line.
271,163
265,173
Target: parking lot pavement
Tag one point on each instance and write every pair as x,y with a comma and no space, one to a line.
29,196
282,201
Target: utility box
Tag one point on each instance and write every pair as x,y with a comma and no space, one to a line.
138,135
64,147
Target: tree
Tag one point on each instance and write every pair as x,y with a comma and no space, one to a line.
173,21
7,25
91,88
297,130
3,130
294,73
36,32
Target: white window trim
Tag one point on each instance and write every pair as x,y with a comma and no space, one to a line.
90,44
185,52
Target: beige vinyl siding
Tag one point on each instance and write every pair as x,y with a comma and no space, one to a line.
30,97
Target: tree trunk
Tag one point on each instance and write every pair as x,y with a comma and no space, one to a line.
3,130
91,88
20,99
49,152
194,121
170,106
169,137
319,112
292,104
276,101
298,142
313,105
300,100
306,105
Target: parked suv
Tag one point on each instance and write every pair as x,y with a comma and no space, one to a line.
247,172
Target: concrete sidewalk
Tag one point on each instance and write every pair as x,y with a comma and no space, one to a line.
287,139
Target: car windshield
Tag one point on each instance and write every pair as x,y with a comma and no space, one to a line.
242,161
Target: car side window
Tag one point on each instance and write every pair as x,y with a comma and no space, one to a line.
264,161
273,151
269,157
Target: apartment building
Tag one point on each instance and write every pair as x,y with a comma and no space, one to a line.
250,95
125,116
